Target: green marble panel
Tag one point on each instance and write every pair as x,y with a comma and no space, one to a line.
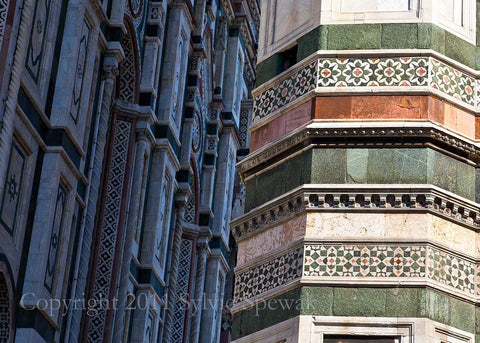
362,302
314,40
435,306
357,162
394,35
466,180
329,166
382,166
271,185
462,315
266,313
365,166
297,170
402,302
269,68
413,165
317,301
477,184
460,50
477,320
250,194
345,37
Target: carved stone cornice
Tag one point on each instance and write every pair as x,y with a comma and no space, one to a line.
146,135
361,199
392,134
110,72
228,9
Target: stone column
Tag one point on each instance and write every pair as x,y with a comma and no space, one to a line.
110,72
202,255
133,219
173,270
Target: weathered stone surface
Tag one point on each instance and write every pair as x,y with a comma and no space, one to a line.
362,302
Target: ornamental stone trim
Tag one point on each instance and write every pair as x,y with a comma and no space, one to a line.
422,131
417,71
354,198
415,263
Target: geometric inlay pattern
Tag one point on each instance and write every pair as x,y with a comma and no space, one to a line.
5,314
451,270
127,80
285,91
3,18
271,274
404,74
181,300
109,228
245,114
190,207
360,261
363,260
390,261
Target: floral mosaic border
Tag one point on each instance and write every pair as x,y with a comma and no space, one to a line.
361,261
404,73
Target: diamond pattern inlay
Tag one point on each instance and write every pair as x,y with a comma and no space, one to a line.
109,227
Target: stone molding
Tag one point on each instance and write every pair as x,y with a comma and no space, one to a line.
369,263
423,131
366,72
307,328
358,199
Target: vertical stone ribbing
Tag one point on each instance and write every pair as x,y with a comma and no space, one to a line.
130,234
199,289
109,74
173,271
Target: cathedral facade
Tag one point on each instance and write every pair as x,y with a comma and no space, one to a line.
120,126
363,182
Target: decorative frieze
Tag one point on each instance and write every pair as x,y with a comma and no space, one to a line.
424,198
364,261
421,132
360,74
451,270
408,261
374,262
285,90
271,274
